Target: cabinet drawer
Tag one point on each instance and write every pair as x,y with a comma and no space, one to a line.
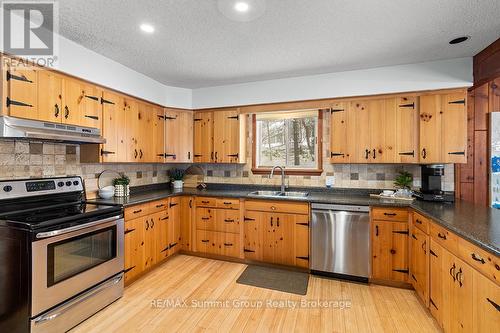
278,206
205,202
228,203
390,214
229,244
158,206
136,211
206,241
205,219
227,220
484,262
421,222
444,237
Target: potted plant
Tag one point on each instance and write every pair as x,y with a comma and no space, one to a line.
122,185
403,182
176,176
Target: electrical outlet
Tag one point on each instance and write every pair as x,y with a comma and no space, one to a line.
330,181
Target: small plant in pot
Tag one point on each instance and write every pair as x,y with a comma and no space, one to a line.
176,176
122,185
403,182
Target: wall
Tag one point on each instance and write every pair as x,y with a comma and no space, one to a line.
442,74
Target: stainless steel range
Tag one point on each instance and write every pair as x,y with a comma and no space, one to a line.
62,258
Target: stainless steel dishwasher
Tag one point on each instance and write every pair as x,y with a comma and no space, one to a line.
340,241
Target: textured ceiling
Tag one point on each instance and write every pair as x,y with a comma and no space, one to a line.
195,45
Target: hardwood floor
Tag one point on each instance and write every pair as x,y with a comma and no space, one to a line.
193,280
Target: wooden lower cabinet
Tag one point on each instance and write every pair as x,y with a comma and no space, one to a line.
389,250
134,249
419,263
486,300
253,235
186,216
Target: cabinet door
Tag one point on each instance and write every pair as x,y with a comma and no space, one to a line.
430,129
302,241
158,135
284,239
436,275
22,83
150,227
134,248
462,298
132,129
185,220
50,105
172,134
269,238
339,152
91,107
184,143
227,136
454,131
390,250
73,101
407,130
227,220
486,308
229,244
253,235
419,263
161,229
174,209
114,121
203,137
382,129
358,129
145,126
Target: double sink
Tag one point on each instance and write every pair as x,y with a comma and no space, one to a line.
278,194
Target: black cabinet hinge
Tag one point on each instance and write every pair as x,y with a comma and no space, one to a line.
92,117
92,97
173,205
433,304
18,77
410,105
246,250
165,249
172,245
248,219
197,119
303,223
17,103
233,155
160,116
408,153
495,305
414,278
407,232
128,231
106,152
197,155
234,117
456,153
105,101
304,258
401,271
336,110
433,253
169,118
337,154
128,269
461,101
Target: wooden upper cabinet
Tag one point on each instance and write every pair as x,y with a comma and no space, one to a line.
21,80
430,129
358,132
339,148
50,103
158,135
113,123
72,101
90,106
145,141
178,136
407,130
229,136
454,131
132,128
383,130
203,137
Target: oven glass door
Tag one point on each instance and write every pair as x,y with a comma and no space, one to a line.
73,256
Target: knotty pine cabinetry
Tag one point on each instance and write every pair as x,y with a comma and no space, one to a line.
220,136
419,256
152,233
178,136
277,232
427,128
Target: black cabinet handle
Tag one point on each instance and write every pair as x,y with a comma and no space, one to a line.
189,155
248,219
152,223
336,154
66,112
147,225
174,156
107,152
459,277
190,203
212,156
205,218
205,202
140,153
374,154
410,105
418,221
92,117
56,110
228,244
164,218
390,214
376,230
271,221
159,206
216,158
423,246
278,221
173,205
495,305
477,258
441,236
367,153
227,203
408,153
137,211
424,153
456,153
228,220
135,153
452,272
205,240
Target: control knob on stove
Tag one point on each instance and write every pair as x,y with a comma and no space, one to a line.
68,183
7,188
60,184
76,183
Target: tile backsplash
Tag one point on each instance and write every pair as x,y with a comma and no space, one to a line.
23,159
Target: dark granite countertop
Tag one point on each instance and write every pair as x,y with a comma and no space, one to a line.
479,225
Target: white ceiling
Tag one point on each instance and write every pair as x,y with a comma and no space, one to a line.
194,45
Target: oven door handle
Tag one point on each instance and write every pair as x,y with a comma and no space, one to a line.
53,233
67,306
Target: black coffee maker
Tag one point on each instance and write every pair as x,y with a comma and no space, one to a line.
431,184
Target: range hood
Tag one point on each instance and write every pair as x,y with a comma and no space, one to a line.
16,128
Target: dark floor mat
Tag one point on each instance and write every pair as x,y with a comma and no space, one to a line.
275,279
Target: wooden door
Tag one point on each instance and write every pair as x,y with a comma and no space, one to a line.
161,230
172,134
462,298
430,129
186,216
226,136
115,148
134,248
389,250
358,129
184,143
145,140
301,240
22,84
454,128
150,227
448,271
284,250
269,237
174,209
436,275
158,135
407,130
72,101
382,130
253,235
419,263
91,107
50,104
338,133
132,129
203,137
486,304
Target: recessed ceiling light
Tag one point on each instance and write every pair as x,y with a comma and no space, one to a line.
148,28
241,7
459,40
